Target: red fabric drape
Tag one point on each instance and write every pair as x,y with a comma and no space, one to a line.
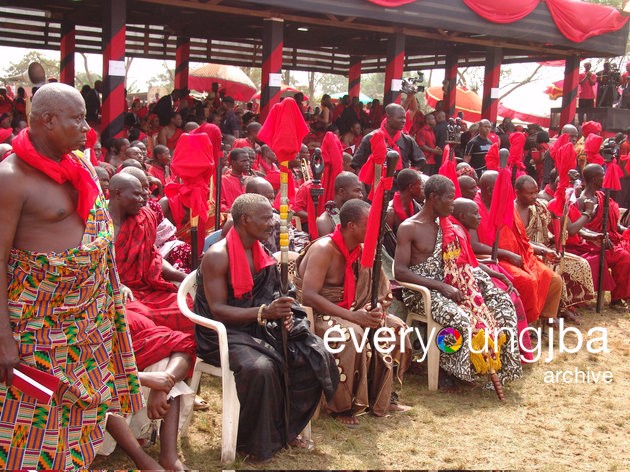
579,21
565,161
502,12
332,154
391,3
447,169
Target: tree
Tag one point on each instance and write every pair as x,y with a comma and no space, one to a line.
15,69
166,78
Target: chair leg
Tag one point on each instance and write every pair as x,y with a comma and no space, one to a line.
231,412
194,386
433,355
306,432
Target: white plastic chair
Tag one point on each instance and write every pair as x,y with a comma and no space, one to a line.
230,405
433,353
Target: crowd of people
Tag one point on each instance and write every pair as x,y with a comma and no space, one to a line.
97,237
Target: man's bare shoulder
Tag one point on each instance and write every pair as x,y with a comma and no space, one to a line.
14,174
215,259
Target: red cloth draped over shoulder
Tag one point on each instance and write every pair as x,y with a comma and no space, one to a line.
613,218
448,169
240,273
467,255
231,187
515,239
349,282
68,169
138,260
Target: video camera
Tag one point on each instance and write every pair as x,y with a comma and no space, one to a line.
413,85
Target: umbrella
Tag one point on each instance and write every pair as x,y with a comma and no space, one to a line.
466,101
362,97
231,79
285,92
528,104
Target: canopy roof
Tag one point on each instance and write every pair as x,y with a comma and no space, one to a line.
230,31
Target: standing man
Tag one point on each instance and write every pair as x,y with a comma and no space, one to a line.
607,81
425,137
61,309
410,153
230,124
587,81
478,147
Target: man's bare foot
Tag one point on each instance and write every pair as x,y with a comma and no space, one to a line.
170,464
348,420
397,407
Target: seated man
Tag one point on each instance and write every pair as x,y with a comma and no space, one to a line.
347,187
539,286
428,254
233,181
407,200
326,279
466,217
238,285
617,252
468,186
577,281
165,359
140,265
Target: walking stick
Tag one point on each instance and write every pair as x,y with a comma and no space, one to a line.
194,241
390,161
217,197
284,285
317,167
602,251
504,154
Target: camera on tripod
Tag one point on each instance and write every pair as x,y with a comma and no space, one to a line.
413,85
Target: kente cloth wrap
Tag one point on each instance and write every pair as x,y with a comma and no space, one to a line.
69,169
349,280
240,274
380,143
67,315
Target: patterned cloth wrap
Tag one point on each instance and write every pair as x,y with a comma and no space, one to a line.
68,318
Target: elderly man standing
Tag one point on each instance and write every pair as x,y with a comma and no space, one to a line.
61,310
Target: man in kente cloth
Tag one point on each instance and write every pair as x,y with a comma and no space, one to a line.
327,281
428,254
61,310
140,265
617,252
238,285
577,281
347,187
539,286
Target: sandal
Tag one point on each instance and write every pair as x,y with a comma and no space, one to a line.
300,443
201,404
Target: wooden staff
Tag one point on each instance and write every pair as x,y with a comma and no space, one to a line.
390,161
284,285
602,251
504,154
317,168
194,240
217,196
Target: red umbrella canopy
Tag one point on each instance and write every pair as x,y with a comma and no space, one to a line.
285,92
466,101
231,79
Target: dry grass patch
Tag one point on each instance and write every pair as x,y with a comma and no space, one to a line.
546,426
